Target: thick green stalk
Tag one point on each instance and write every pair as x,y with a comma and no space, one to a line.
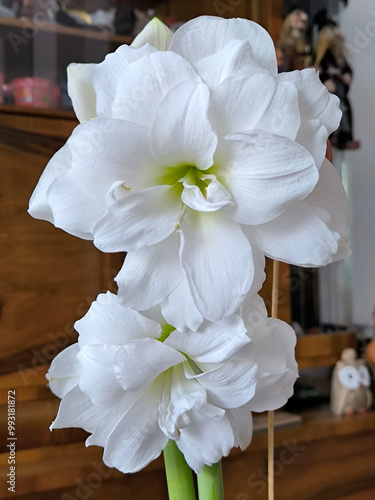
179,476
210,483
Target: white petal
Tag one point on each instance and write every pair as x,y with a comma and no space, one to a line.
255,101
302,236
241,421
98,380
179,397
213,342
106,151
205,440
264,174
81,91
313,137
156,33
181,132
64,371
258,261
273,346
139,362
77,410
207,35
98,154
59,164
314,99
254,313
138,219
105,75
148,81
330,195
109,322
137,438
235,58
150,274
233,383
217,259
179,309
316,104
73,211
273,350
185,394
274,390
105,426
214,198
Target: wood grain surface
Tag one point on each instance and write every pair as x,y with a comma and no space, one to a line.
265,12
47,278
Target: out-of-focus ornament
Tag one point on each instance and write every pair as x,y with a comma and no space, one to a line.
351,381
332,61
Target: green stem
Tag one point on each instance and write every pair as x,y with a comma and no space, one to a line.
179,476
210,483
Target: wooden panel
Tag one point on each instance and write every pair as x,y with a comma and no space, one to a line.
323,457
271,17
57,124
33,419
320,470
47,278
323,349
223,8
362,495
38,125
284,310
265,12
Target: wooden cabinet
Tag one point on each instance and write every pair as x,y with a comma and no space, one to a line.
34,55
265,12
47,277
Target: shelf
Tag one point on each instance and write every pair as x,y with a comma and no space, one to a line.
61,114
59,29
20,123
323,349
311,425
338,450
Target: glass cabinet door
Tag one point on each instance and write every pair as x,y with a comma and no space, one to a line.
38,40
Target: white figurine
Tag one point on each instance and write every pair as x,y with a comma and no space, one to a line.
350,388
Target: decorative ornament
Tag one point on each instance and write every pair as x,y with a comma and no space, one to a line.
351,381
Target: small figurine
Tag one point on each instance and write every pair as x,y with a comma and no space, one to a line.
332,61
294,52
350,388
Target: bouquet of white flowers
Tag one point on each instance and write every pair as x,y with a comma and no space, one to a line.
197,159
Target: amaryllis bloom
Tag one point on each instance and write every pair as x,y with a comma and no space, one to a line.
134,383
201,157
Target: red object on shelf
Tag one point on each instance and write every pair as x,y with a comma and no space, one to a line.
35,93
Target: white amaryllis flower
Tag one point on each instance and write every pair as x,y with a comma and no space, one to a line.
198,160
134,383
